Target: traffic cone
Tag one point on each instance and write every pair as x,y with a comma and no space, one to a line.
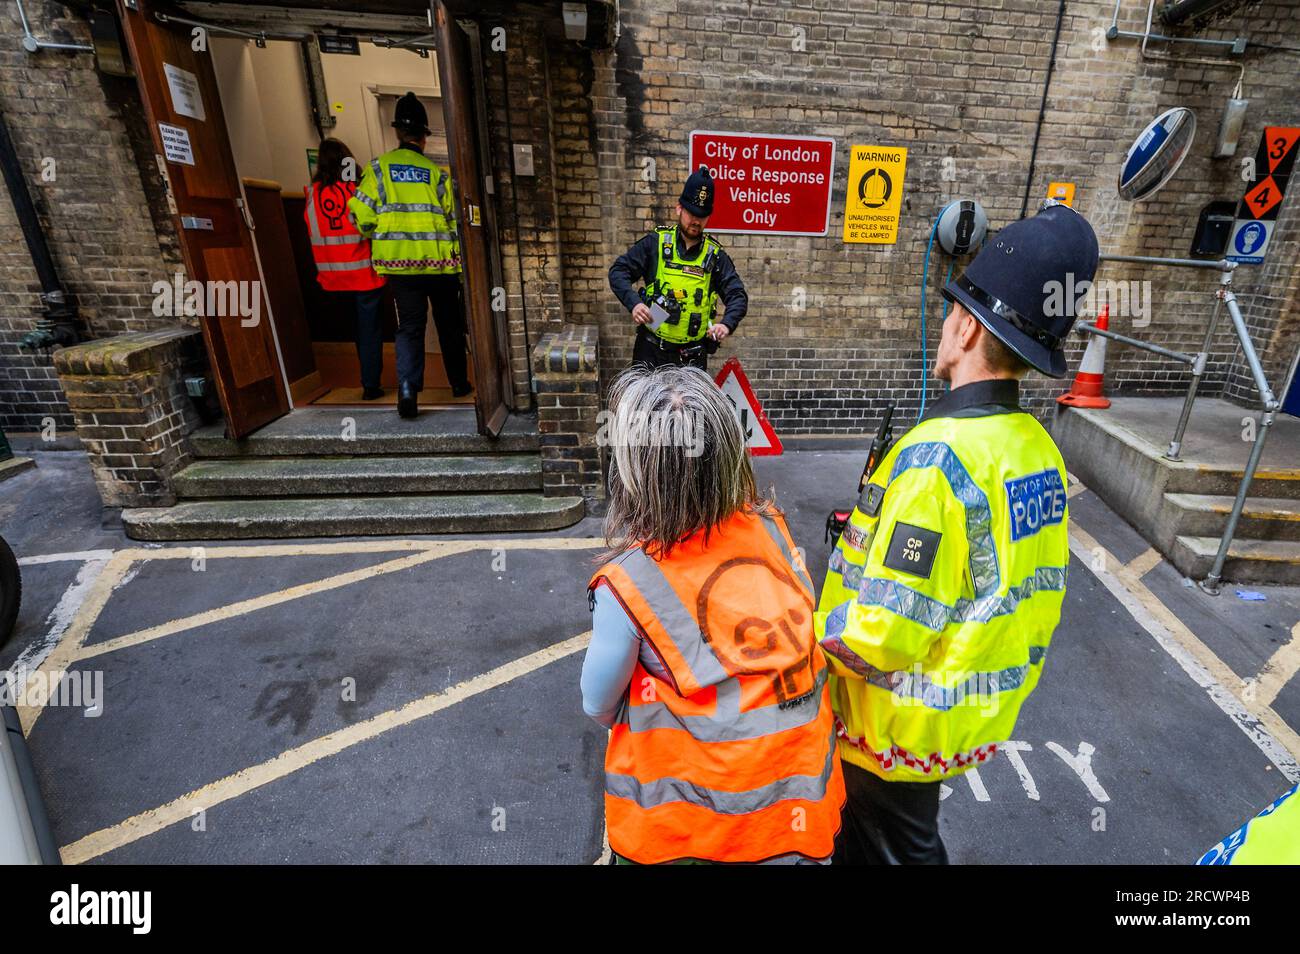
1086,389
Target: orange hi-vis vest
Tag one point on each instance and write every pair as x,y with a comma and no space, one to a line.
732,757
342,253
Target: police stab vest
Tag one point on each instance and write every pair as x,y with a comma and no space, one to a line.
690,282
730,757
943,593
406,206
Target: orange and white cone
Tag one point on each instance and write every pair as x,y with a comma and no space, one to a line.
1087,388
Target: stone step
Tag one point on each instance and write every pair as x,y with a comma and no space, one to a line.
353,476
262,517
364,431
1249,561
1262,518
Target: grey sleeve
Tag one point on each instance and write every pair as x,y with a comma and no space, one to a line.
611,658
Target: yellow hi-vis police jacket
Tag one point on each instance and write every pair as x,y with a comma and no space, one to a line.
943,592
406,206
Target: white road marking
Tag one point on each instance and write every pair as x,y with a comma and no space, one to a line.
57,623
1144,611
1082,766
80,556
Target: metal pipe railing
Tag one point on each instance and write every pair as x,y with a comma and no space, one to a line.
1268,401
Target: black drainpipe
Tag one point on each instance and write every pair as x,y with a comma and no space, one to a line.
1042,110
58,326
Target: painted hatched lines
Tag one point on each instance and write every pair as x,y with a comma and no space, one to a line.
1264,727
71,645
292,760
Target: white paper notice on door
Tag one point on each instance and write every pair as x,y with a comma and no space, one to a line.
184,86
176,144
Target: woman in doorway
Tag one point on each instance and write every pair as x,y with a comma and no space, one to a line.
703,663
342,255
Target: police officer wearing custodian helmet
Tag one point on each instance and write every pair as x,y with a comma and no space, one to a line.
406,206
943,593
685,272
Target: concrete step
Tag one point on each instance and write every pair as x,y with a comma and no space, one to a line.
1249,561
337,476
364,431
257,518
1206,515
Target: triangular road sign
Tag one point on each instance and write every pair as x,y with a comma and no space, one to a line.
759,436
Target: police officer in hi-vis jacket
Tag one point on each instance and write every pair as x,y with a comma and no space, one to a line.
686,272
406,206
943,593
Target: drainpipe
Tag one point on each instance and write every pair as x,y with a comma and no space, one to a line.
58,325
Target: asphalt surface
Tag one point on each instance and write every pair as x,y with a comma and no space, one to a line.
1122,756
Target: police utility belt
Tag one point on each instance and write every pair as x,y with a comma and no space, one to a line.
687,351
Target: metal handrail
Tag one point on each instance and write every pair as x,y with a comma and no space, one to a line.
1224,296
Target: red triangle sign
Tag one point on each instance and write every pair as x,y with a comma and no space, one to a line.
759,436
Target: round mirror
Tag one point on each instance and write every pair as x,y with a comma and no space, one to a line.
1156,154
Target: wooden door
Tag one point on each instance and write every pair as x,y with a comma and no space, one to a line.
183,107
467,171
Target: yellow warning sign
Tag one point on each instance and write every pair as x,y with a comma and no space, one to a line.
1061,192
874,194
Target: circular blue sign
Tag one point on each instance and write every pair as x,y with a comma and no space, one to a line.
1249,239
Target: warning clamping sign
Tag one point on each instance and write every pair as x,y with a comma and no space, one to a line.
873,196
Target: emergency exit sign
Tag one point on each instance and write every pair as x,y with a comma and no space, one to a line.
775,185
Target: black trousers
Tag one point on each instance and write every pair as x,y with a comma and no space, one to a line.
645,351
888,823
413,294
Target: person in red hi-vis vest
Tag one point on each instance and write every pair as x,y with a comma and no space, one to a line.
342,255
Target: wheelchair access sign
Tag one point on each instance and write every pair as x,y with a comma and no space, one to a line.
1257,211
760,438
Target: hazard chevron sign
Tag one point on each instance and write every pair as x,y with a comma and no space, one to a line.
760,438
1258,209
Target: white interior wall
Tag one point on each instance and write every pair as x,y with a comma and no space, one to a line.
264,94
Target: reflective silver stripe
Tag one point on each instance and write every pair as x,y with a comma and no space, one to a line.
676,620
409,207
411,237
343,266
366,201
773,531
378,170
312,224
728,724
666,791
340,240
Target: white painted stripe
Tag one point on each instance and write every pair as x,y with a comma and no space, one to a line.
79,556
57,623
1083,546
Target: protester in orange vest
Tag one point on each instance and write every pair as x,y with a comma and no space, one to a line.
703,660
342,255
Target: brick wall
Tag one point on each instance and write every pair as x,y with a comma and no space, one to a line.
101,214
961,81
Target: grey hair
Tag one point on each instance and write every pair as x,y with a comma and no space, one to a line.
678,462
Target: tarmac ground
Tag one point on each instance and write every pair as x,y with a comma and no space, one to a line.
416,700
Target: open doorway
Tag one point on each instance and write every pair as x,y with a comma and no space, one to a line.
275,138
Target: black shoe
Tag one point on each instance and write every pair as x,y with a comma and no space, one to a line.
461,390
406,400
372,394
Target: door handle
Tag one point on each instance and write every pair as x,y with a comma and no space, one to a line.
248,217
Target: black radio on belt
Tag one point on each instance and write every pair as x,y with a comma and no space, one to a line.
667,302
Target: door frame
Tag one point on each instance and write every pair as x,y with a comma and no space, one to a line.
490,419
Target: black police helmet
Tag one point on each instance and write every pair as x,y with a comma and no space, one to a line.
409,115
1024,284
697,194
